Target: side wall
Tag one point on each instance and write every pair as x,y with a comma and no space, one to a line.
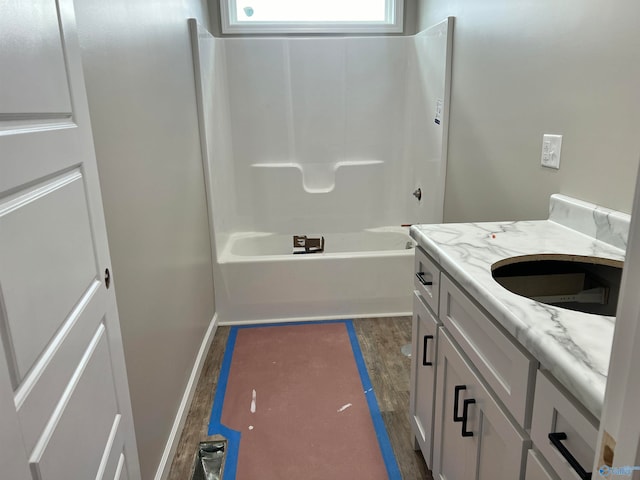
140,84
522,69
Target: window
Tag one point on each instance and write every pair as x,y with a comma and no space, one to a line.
311,16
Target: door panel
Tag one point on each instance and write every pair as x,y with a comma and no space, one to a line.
112,452
497,447
13,458
38,66
48,262
536,469
489,466
38,395
456,454
423,375
75,423
121,472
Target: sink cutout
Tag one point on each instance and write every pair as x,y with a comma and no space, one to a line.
580,283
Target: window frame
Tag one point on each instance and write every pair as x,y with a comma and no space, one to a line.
394,23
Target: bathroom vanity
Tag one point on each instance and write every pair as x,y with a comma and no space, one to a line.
504,386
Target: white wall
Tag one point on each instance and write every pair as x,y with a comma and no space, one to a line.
140,85
522,69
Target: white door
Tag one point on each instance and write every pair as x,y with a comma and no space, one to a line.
65,411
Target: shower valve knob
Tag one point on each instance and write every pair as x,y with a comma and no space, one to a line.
418,194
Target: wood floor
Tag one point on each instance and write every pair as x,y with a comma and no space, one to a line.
380,340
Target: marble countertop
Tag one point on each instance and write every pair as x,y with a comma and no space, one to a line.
573,346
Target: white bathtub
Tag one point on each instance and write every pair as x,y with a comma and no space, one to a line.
360,274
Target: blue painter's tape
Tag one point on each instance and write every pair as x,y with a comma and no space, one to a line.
215,427
233,436
378,423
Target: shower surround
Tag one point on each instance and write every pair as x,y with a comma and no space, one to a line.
320,136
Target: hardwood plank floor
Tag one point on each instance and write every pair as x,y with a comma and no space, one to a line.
380,340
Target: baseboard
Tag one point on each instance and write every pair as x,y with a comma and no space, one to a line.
174,437
224,322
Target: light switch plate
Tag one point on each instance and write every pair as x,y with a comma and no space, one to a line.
551,148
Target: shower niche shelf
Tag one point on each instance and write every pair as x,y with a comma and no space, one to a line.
320,177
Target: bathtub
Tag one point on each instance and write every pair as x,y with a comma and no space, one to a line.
360,274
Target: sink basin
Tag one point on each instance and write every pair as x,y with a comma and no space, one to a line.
581,283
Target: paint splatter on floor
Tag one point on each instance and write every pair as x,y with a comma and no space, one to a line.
253,402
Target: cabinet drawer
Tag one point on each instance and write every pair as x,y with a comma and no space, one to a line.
427,279
507,369
554,411
424,339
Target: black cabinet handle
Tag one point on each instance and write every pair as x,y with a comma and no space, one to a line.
424,351
556,439
456,394
420,276
465,414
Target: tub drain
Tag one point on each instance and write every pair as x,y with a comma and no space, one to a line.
406,350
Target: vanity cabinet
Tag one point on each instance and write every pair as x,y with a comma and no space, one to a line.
472,394
473,436
460,426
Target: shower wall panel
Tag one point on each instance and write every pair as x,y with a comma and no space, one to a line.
426,132
215,136
328,116
313,135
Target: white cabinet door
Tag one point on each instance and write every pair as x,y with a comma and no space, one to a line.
536,469
473,437
64,400
424,338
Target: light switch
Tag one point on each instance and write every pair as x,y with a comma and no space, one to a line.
551,147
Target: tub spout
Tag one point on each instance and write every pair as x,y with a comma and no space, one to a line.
418,193
310,245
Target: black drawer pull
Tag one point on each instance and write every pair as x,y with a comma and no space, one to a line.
456,394
556,439
424,351
420,276
465,413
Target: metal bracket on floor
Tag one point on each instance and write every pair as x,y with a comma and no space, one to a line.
209,459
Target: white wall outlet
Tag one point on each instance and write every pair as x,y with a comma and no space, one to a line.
551,147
